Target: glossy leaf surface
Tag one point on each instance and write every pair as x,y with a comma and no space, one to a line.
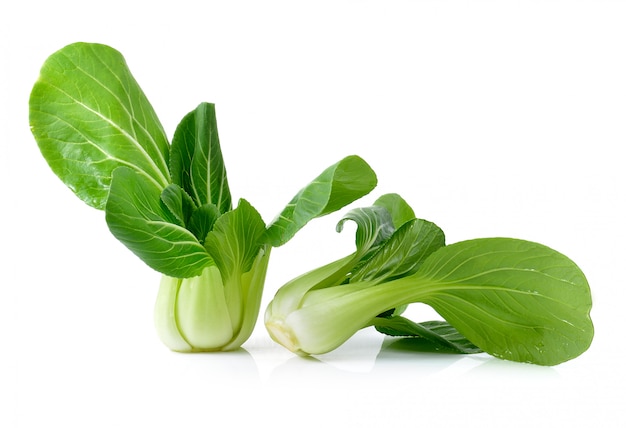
89,116
514,299
339,185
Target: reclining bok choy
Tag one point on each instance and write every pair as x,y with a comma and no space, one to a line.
514,299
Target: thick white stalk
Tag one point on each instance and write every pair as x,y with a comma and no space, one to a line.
203,314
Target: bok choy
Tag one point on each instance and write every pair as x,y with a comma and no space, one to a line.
514,299
170,203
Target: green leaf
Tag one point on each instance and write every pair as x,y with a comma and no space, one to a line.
196,161
179,204
514,299
374,227
136,216
403,253
440,333
400,210
202,221
89,116
339,185
235,240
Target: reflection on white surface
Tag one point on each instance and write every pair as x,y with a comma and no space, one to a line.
370,356
367,381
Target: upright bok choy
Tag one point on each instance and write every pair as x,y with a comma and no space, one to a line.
513,299
170,204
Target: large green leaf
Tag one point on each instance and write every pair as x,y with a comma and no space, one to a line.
137,217
89,116
514,299
339,185
196,159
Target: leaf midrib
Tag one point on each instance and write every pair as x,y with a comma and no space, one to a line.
132,138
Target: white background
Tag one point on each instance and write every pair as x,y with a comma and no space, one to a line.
492,118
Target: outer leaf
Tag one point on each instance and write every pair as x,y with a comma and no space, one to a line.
89,116
514,299
440,333
339,185
196,159
137,218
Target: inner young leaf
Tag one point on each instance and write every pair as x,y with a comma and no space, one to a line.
178,203
202,220
196,162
